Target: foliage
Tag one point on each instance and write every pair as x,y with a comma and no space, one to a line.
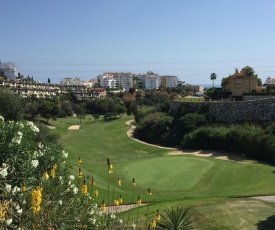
80,111
213,77
153,127
11,108
49,109
191,121
108,106
224,82
247,140
176,218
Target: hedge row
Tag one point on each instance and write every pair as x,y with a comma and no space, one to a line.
247,140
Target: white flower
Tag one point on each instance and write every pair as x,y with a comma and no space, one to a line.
9,221
3,172
19,211
75,190
71,177
24,202
64,154
2,118
32,126
8,187
134,226
113,216
34,163
92,212
69,182
61,179
15,190
40,145
60,202
92,220
120,221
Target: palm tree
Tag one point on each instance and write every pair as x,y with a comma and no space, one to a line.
213,77
249,73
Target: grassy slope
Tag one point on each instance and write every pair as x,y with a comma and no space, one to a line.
184,179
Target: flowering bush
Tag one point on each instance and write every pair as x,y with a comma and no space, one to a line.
36,191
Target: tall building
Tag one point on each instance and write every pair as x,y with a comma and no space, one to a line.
168,81
10,70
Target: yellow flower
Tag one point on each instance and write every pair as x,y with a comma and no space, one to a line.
36,199
45,175
23,188
120,199
80,174
139,201
153,224
52,172
95,193
110,168
55,166
79,161
84,188
116,202
158,216
93,181
103,206
149,192
118,182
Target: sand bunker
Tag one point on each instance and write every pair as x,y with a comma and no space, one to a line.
200,153
74,127
218,155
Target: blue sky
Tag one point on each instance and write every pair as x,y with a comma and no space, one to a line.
187,38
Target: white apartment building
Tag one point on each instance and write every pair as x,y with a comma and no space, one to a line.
152,82
169,81
113,80
10,70
124,80
71,81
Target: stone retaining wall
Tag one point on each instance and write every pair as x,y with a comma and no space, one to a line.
254,110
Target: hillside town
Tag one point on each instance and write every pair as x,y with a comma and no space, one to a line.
232,87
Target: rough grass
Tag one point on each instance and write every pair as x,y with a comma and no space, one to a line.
206,184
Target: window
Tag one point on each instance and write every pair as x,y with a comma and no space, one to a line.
239,83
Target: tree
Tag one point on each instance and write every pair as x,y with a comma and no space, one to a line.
80,110
213,77
224,82
10,105
259,81
96,116
249,73
49,109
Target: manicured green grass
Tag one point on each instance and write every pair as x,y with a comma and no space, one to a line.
191,99
206,184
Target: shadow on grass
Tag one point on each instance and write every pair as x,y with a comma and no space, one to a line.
268,224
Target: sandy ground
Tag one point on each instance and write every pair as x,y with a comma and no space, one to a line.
121,208
74,127
265,198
